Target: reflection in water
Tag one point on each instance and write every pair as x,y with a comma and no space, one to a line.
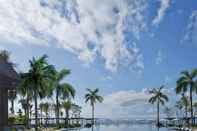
123,128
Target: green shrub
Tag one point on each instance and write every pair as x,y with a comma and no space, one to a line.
13,129
11,120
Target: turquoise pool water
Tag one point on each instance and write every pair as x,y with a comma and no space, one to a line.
124,128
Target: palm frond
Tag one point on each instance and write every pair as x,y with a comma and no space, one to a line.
62,74
165,97
185,73
193,73
67,90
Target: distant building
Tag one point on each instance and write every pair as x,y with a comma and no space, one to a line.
8,81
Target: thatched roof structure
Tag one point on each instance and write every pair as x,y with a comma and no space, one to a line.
8,76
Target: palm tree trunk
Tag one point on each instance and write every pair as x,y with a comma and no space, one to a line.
41,115
12,108
36,110
191,105
46,122
27,115
67,116
93,114
158,113
186,112
57,106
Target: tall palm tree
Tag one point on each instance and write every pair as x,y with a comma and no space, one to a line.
61,88
93,97
12,97
67,106
187,82
160,98
185,103
24,91
39,81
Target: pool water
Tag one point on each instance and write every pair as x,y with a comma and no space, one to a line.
123,128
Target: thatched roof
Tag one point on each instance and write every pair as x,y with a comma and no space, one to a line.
8,76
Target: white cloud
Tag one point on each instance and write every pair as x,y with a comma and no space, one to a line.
87,29
164,5
191,30
127,104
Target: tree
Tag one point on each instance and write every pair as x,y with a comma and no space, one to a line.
185,103
41,106
158,97
179,106
4,55
24,105
24,91
92,97
39,81
61,89
12,97
187,82
195,108
46,110
67,106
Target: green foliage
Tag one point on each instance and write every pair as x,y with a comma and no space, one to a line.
17,120
13,129
39,80
158,96
11,120
4,55
62,90
67,105
93,97
188,82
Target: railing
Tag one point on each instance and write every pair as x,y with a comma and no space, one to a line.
178,122
53,121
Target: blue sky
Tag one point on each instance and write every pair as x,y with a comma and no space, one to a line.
122,48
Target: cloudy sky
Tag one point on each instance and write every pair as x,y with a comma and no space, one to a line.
122,47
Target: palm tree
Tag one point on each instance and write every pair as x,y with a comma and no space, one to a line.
185,103
46,110
179,106
159,97
39,81
187,82
41,106
195,108
67,106
60,89
93,97
24,106
12,97
24,91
